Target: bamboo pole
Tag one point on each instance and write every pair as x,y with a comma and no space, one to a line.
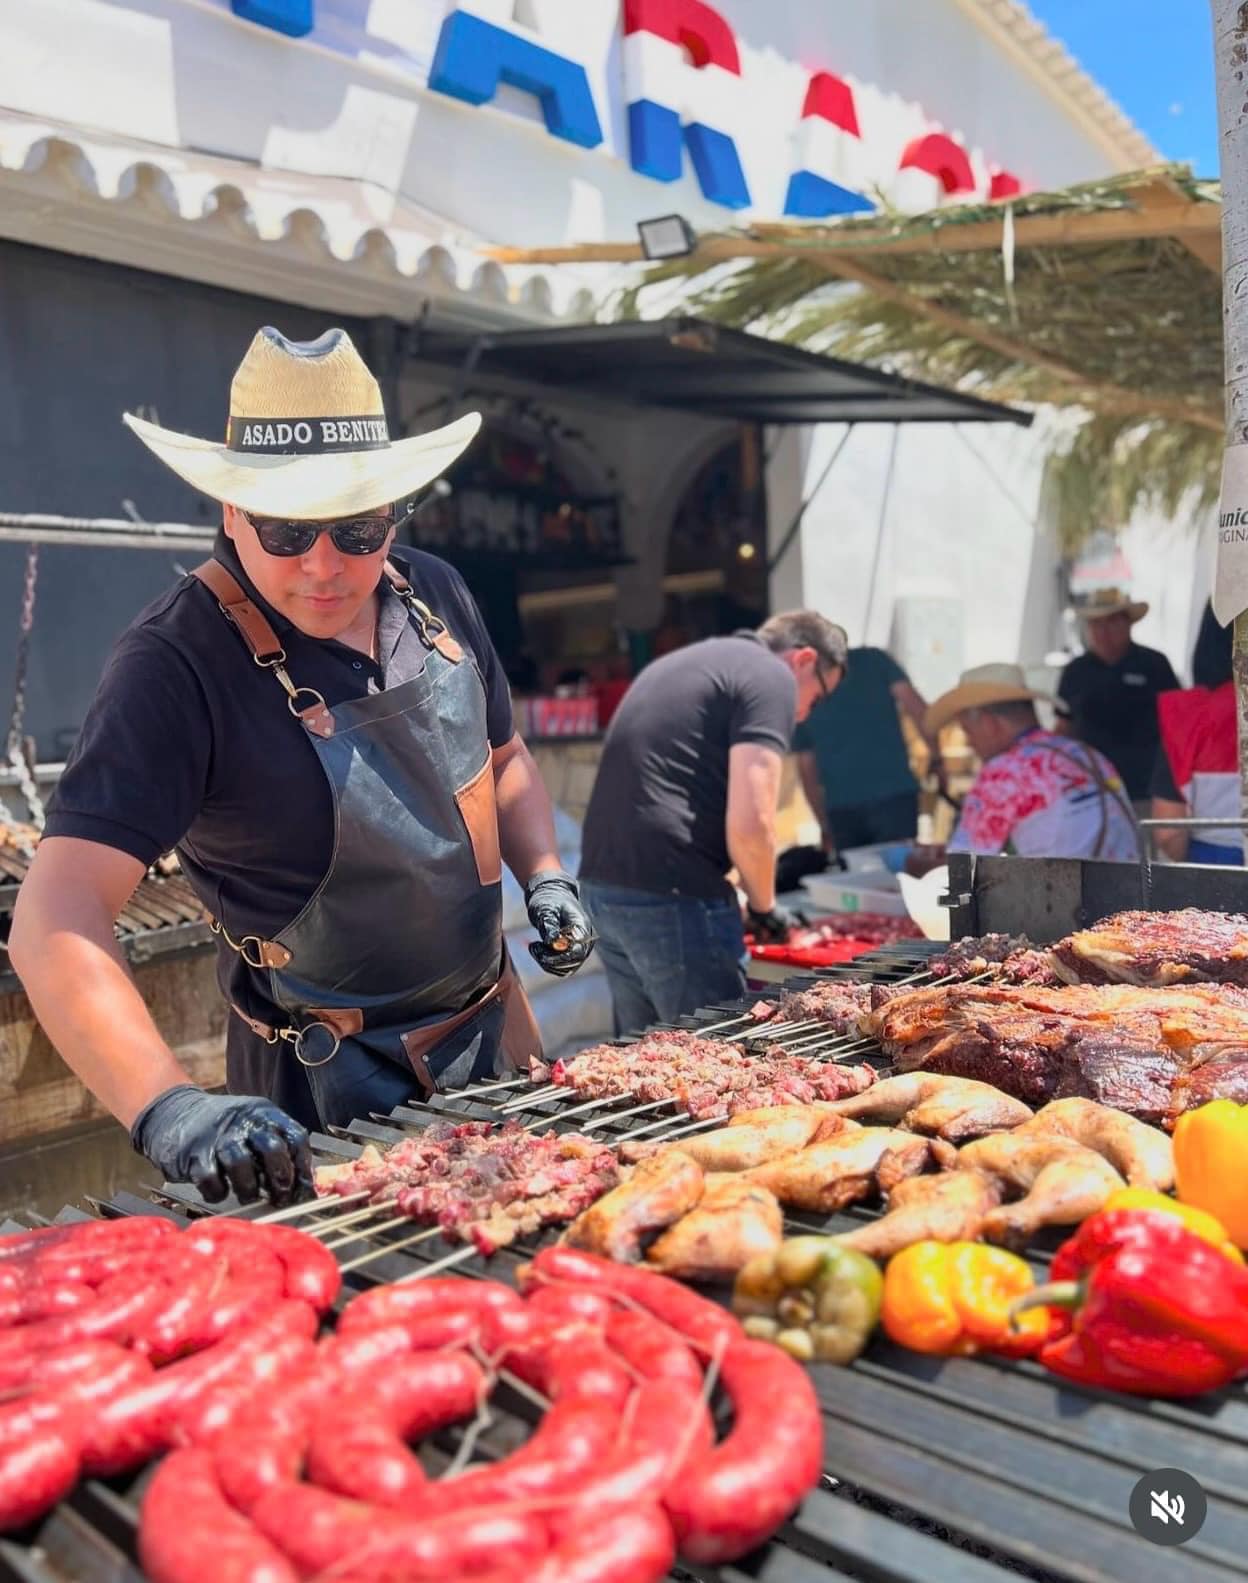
1230,43
1069,228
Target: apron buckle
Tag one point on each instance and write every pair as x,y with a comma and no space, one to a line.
298,1037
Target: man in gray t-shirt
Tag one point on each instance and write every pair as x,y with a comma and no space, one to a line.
687,790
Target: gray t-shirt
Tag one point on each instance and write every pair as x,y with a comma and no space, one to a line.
656,817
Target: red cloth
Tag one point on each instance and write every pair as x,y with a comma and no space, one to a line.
1198,732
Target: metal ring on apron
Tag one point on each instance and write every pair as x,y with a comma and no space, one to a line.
292,702
299,1038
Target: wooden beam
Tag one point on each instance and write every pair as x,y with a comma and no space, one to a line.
1189,221
1105,398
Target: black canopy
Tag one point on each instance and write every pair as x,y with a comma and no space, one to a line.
705,368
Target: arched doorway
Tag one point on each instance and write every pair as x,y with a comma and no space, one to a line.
716,567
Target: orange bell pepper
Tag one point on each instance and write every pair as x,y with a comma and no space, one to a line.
954,1298
1211,1163
1198,1221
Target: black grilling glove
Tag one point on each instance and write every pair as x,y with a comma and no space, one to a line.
774,927
219,1141
556,913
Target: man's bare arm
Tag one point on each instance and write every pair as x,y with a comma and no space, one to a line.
750,823
65,952
1172,842
526,821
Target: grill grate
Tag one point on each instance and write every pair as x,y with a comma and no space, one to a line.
955,1470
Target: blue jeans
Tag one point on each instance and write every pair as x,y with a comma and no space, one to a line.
664,955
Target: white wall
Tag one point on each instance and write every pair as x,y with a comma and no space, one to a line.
941,564
350,101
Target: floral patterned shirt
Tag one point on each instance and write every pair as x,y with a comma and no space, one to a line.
1040,798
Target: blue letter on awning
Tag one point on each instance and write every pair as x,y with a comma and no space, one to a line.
473,57
292,17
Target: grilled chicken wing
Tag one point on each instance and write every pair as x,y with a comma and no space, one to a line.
947,1208
840,1170
954,1108
1141,1153
1063,1182
750,1139
734,1221
658,1192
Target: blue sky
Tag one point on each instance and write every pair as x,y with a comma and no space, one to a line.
1155,57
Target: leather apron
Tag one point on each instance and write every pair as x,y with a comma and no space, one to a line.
393,980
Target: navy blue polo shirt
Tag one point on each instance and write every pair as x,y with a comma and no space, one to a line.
189,744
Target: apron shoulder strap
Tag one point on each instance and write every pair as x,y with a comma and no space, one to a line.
251,621
433,630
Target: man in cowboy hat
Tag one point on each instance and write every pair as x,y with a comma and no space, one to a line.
325,736
1037,794
1111,690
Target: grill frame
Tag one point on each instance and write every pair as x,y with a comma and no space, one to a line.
947,1457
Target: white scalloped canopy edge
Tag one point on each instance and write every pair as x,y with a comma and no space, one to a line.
328,221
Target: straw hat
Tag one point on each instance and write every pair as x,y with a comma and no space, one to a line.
1102,602
307,436
984,684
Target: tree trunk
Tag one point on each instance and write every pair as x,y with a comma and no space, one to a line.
1230,42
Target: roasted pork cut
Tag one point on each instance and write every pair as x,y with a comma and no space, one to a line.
1157,948
1120,1045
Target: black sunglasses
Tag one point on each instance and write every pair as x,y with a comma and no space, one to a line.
351,535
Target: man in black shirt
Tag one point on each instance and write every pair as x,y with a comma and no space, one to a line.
687,789
1111,690
326,738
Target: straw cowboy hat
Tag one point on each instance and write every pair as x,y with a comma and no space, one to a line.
1104,602
307,436
984,684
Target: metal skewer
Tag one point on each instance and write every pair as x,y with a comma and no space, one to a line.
677,1132
309,1207
460,1256
636,1110
718,1027
539,1097
395,1247
654,1126
486,1088
369,1231
341,1222
581,1110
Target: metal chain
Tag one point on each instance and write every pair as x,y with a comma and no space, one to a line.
15,746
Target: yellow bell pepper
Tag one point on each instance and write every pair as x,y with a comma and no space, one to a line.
1198,1221
953,1298
1211,1164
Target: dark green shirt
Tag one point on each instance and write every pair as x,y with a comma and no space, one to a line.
856,736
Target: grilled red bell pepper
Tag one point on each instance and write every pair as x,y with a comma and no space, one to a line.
1156,1310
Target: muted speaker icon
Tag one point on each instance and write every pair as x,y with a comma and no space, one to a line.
1168,1506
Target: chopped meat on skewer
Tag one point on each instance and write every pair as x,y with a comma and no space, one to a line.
1003,958
480,1182
841,1005
706,1078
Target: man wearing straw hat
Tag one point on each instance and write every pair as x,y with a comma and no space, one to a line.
1037,794
325,736
1111,690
